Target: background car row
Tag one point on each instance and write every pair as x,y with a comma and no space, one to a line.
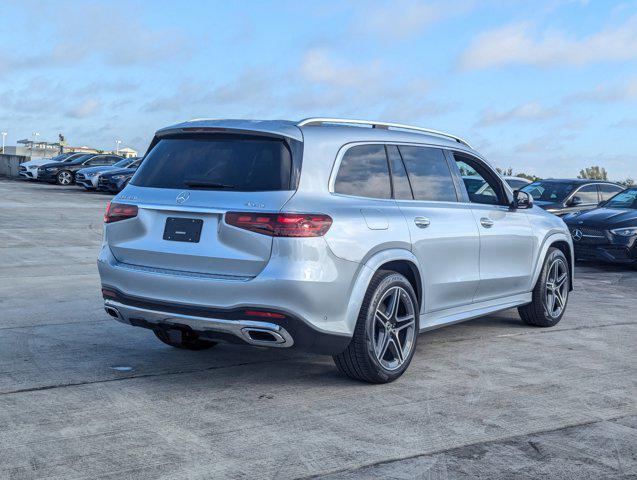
106,172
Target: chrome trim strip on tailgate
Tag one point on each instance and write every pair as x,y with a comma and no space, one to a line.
181,273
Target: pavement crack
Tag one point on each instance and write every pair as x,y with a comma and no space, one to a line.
506,438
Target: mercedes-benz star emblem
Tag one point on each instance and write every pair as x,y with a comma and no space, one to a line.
182,197
577,235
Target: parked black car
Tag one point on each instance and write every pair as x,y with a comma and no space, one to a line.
607,233
64,173
115,181
561,196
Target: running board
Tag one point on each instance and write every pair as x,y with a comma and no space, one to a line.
440,318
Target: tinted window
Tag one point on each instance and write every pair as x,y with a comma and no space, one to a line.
588,194
625,199
429,174
402,190
97,161
607,191
364,172
207,162
549,191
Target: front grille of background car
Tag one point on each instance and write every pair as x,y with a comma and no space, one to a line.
590,235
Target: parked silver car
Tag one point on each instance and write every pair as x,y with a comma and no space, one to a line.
342,237
89,177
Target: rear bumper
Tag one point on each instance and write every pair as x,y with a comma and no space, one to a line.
313,299
230,326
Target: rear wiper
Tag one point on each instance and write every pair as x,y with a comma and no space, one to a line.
204,184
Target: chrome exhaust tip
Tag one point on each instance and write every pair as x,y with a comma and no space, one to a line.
263,336
112,312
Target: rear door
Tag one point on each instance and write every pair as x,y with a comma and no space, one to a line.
444,234
183,189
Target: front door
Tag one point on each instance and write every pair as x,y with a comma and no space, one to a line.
507,243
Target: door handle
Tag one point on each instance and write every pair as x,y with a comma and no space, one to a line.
486,222
422,222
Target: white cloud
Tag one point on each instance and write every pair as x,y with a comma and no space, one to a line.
619,92
319,66
519,44
399,20
525,112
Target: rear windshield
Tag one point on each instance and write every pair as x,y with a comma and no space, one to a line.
209,163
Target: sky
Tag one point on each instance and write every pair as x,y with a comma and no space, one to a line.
545,87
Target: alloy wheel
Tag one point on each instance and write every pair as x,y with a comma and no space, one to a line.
65,178
556,288
394,328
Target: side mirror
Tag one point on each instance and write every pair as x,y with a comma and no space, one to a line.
522,200
575,201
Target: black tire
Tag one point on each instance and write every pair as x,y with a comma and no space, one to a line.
537,312
65,177
188,340
359,360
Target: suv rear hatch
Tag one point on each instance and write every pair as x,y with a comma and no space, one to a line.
185,185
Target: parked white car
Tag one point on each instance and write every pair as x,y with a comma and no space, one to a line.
30,169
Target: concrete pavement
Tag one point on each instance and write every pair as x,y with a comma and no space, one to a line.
82,396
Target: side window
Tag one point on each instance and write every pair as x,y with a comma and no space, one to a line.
481,186
608,191
400,181
429,174
588,194
364,172
93,161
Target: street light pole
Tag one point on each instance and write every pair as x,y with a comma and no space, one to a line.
4,134
35,139
117,143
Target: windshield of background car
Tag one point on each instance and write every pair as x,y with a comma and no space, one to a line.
81,158
625,199
122,163
75,156
549,191
234,163
516,184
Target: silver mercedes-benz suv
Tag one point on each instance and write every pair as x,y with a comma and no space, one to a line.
341,237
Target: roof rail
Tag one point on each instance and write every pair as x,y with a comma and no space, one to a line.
384,125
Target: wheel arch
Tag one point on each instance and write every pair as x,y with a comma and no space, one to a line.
399,260
562,242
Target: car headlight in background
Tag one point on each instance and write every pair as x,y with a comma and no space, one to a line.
625,232
52,169
118,177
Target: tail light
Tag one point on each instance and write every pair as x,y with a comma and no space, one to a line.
119,211
281,224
